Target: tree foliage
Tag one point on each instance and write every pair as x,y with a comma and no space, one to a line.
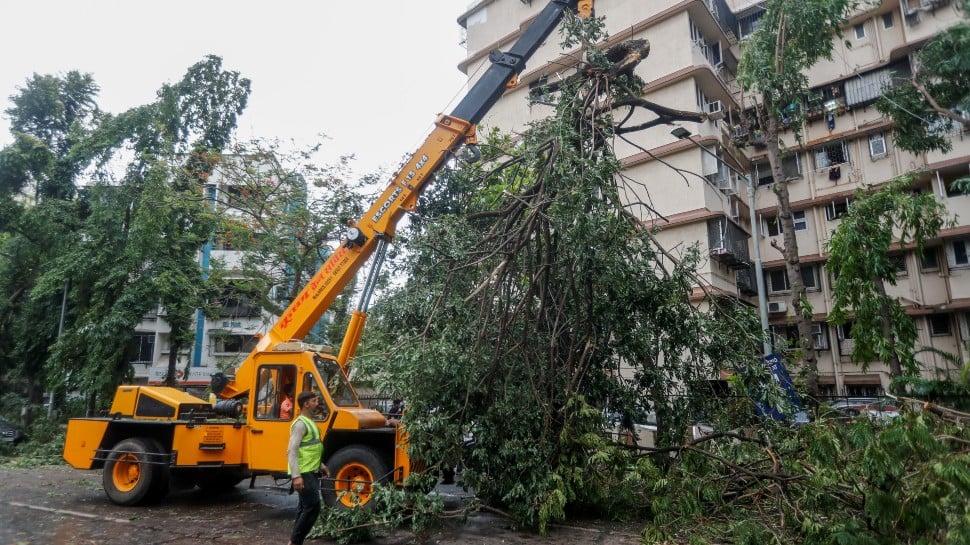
105,249
792,36
535,300
935,98
860,255
286,211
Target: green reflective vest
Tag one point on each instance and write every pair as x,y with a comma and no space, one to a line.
311,449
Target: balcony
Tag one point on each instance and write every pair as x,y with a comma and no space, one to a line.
745,280
728,243
724,17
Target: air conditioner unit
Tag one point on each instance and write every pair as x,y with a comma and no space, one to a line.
728,185
777,306
714,111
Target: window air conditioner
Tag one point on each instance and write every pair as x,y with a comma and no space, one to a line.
777,306
714,111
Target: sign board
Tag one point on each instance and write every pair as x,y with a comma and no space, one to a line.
781,376
197,375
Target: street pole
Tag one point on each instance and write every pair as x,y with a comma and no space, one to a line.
684,134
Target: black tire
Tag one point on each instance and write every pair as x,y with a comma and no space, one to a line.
135,473
219,481
353,472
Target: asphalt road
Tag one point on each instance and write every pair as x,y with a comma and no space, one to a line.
58,505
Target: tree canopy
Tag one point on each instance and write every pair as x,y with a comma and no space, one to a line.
935,98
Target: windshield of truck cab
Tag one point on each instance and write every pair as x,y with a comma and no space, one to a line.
341,392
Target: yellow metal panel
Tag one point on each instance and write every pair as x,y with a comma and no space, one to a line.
401,457
124,401
266,442
359,419
170,396
209,443
83,439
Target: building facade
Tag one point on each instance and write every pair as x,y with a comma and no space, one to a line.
223,341
847,143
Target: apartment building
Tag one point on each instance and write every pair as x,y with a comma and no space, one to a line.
219,342
695,47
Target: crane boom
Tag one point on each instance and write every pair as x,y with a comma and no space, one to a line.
402,192
154,435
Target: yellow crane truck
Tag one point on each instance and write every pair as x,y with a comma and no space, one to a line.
155,437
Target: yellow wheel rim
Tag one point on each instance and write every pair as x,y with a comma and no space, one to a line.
354,485
126,472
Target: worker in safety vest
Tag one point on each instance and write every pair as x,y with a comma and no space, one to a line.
304,454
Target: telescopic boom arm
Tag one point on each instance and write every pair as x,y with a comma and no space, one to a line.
401,195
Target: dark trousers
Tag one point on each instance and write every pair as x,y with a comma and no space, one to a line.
308,509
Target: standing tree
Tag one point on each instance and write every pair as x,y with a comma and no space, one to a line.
52,119
791,37
936,97
286,211
135,239
537,301
859,251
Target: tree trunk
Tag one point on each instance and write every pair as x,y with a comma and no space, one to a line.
801,309
895,367
175,345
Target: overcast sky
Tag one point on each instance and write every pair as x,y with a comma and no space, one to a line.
371,74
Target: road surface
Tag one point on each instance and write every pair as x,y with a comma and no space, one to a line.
58,505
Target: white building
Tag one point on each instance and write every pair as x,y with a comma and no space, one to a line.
692,66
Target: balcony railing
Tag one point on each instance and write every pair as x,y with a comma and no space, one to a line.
724,17
728,243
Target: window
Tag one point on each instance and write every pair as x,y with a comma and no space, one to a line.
846,344
887,20
898,262
860,31
877,145
701,99
771,226
929,261
845,331
791,165
958,253
237,301
831,154
143,348
939,325
864,390
749,23
223,241
272,384
784,337
810,277
838,208
777,280
233,344
762,172
954,189
801,222
820,337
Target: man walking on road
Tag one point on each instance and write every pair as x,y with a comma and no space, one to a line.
304,453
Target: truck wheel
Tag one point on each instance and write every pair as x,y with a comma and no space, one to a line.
353,472
132,474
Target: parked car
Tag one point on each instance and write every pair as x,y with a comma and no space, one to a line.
876,408
643,433
10,433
